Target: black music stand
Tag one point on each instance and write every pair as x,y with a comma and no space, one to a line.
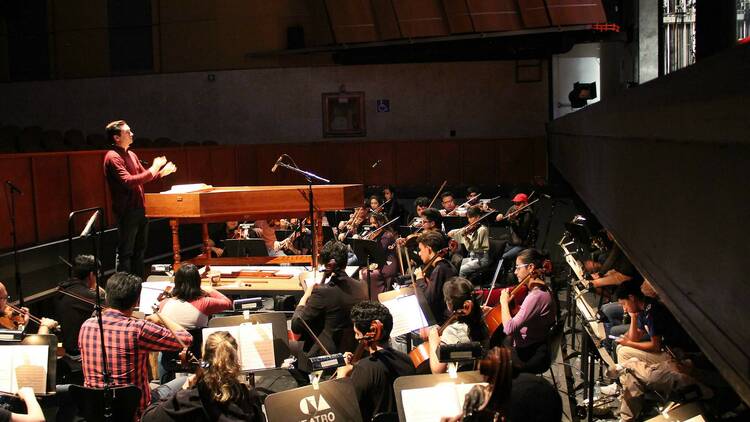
329,400
245,247
454,222
369,252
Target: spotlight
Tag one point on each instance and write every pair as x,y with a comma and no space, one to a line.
581,93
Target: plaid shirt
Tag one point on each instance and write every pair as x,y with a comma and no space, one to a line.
128,341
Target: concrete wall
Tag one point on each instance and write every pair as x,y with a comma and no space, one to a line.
581,64
476,99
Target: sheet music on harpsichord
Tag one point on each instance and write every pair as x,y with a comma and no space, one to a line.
193,187
23,366
254,343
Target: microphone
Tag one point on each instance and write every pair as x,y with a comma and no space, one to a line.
13,188
375,164
89,225
276,165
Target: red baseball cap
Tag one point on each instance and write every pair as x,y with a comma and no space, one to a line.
521,197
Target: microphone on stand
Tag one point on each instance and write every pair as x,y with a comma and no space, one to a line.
89,225
276,165
13,188
375,164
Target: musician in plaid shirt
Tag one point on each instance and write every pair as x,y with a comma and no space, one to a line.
128,341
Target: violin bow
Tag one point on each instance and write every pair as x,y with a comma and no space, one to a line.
438,193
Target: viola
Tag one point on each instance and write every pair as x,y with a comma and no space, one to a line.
494,318
11,319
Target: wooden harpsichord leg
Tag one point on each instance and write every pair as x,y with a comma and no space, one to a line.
206,246
174,224
318,241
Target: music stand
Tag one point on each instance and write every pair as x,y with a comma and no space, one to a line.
278,327
369,252
329,400
412,382
51,341
245,247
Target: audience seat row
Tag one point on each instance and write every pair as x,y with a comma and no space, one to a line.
14,139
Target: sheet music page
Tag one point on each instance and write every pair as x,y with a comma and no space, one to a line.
188,188
234,331
256,346
150,291
407,314
25,366
432,403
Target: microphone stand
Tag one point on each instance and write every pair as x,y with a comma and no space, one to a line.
96,243
309,176
13,230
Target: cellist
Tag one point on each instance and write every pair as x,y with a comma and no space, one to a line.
373,376
527,331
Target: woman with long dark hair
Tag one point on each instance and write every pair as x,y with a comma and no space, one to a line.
191,304
460,299
214,393
528,330
381,277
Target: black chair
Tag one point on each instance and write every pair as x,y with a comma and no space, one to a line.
74,140
385,417
30,139
90,402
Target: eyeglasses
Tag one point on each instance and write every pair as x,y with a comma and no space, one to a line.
522,266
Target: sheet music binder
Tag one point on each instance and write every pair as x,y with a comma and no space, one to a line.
332,401
412,382
278,326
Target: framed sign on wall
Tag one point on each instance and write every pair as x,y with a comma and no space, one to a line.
343,114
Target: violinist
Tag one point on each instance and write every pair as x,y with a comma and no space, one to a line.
527,331
373,376
266,230
468,327
521,223
325,306
190,304
435,272
448,202
392,208
128,341
475,238
227,230
15,318
381,278
374,204
72,312
420,204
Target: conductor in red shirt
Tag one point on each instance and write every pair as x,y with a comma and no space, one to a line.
125,177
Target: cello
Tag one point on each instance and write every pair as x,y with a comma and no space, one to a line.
368,343
494,318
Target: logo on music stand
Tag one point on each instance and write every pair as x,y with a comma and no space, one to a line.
310,406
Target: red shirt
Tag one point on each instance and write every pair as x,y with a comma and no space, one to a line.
127,341
125,177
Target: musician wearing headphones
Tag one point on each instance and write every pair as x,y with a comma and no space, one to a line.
373,375
435,272
527,331
476,240
469,326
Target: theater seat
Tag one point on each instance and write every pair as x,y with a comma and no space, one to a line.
9,139
30,139
97,141
52,140
210,142
143,143
191,143
90,402
74,140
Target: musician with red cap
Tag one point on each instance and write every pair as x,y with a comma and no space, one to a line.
521,224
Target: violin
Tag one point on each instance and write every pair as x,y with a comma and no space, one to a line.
498,372
367,343
421,353
12,319
375,233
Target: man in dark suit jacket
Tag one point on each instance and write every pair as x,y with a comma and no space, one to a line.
325,307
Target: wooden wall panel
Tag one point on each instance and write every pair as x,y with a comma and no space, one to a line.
88,186
495,15
445,158
412,163
62,182
345,162
352,20
18,171
478,161
223,166
247,162
421,18
369,153
52,195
